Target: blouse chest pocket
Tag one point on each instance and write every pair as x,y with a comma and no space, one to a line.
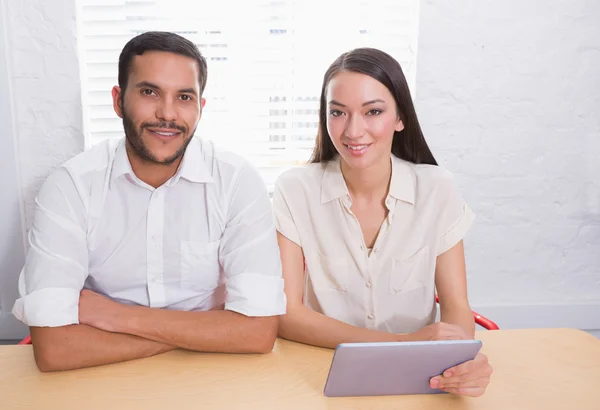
411,273
328,273
200,267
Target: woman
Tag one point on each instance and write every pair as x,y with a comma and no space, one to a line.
372,227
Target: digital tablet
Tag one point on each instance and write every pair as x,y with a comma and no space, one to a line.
391,368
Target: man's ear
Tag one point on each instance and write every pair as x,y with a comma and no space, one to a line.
202,104
117,100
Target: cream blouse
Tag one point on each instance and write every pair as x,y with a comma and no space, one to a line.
391,288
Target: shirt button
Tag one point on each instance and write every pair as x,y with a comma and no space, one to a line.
368,284
362,248
370,317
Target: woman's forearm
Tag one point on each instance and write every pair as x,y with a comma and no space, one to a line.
461,316
303,325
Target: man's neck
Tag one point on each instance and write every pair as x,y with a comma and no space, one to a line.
370,184
150,172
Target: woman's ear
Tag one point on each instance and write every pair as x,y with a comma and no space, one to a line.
399,125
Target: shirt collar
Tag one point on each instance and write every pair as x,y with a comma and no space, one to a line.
193,165
192,168
402,184
121,165
333,185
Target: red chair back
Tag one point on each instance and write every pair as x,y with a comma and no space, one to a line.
26,341
482,321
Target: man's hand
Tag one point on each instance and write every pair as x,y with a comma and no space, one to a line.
467,379
100,312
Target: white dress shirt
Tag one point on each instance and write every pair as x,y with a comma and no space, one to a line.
392,287
203,240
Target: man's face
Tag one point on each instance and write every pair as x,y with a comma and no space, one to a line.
161,105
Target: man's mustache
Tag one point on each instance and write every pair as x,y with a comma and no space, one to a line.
164,125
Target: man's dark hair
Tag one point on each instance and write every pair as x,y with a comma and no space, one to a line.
160,41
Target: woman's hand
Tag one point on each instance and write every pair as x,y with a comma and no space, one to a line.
438,331
467,379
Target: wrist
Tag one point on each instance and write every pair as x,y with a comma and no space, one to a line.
404,337
122,319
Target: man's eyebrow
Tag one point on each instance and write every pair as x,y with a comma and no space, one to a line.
190,90
147,84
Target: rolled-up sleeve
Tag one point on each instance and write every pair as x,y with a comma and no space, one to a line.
56,265
456,218
248,250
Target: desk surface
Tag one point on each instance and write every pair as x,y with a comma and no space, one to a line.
534,369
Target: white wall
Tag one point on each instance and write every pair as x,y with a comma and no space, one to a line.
508,93
40,100
11,227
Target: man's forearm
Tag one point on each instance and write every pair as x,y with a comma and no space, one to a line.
77,346
212,331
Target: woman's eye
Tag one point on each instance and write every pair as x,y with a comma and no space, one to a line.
374,112
335,113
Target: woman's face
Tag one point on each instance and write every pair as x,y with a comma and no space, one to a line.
361,119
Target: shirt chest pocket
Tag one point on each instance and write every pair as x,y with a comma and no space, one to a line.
411,273
328,273
200,267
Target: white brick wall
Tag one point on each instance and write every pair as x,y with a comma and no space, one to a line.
42,122
46,96
508,93
11,229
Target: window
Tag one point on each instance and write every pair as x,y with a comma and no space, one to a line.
266,61
276,137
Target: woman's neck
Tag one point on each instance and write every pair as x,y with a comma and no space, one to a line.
368,184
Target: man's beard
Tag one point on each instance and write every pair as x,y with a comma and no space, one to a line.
134,136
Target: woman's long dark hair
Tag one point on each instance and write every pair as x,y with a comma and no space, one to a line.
408,144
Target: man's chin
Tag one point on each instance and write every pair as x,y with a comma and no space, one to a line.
164,152
166,159
158,152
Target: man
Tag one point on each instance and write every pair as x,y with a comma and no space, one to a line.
154,242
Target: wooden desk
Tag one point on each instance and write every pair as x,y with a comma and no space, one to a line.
534,369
